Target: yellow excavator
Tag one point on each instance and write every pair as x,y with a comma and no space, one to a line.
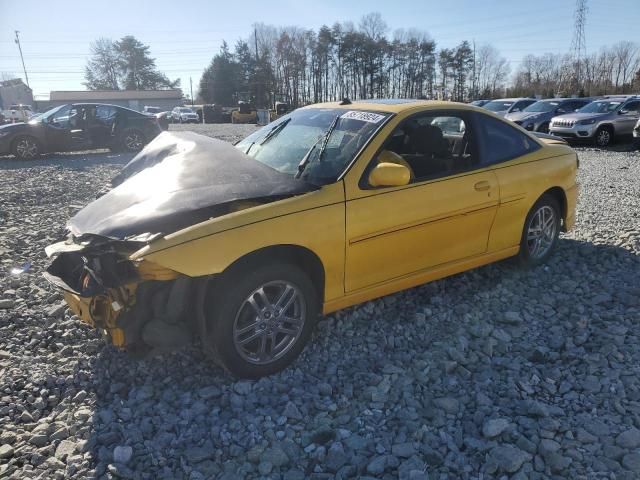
245,113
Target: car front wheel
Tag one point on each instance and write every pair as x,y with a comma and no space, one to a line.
541,231
26,148
259,320
603,137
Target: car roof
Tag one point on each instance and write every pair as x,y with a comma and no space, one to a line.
512,99
84,104
394,105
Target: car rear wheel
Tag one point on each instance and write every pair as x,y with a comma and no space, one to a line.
26,148
132,141
603,137
541,231
259,320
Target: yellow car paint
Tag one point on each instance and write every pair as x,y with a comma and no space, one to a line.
376,241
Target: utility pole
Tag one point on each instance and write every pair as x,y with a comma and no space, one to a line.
17,40
191,88
473,82
258,80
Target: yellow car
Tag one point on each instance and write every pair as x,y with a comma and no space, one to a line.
243,247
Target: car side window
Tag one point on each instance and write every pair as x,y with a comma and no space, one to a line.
434,145
502,142
60,119
105,113
632,107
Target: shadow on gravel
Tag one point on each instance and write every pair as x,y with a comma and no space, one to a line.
184,419
72,161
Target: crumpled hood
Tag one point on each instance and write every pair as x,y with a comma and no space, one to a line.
520,116
177,180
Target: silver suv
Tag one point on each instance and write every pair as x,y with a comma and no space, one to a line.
600,121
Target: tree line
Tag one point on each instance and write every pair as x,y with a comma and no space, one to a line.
611,70
305,66
302,66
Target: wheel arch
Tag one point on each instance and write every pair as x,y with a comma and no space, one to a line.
608,126
561,197
303,257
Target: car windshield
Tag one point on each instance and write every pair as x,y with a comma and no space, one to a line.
186,110
605,106
300,135
497,105
542,107
43,117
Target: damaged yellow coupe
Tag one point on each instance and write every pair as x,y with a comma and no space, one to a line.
243,247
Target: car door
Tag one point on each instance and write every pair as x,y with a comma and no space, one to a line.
102,125
627,120
511,154
58,129
443,215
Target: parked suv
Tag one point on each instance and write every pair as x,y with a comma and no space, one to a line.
503,106
536,117
600,121
184,115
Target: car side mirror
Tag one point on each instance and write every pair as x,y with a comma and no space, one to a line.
389,175
623,112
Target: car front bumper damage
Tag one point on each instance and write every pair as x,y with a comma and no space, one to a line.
139,306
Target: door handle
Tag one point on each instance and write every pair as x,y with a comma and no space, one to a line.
482,186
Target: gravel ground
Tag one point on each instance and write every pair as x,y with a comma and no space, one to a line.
494,373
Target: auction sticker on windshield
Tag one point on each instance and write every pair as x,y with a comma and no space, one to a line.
363,116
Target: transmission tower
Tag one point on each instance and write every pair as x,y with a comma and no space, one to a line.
579,43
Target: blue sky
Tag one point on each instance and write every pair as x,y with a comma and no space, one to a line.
183,36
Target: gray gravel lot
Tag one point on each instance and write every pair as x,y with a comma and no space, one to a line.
494,373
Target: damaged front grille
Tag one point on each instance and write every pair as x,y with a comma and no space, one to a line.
88,275
141,306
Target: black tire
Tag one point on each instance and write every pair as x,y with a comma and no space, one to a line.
26,147
227,305
544,128
527,255
131,140
603,137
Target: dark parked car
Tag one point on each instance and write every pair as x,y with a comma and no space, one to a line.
79,126
480,103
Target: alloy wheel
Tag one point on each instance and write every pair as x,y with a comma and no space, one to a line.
133,141
269,322
603,138
541,232
27,148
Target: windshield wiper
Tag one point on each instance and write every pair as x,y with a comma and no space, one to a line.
325,139
274,131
